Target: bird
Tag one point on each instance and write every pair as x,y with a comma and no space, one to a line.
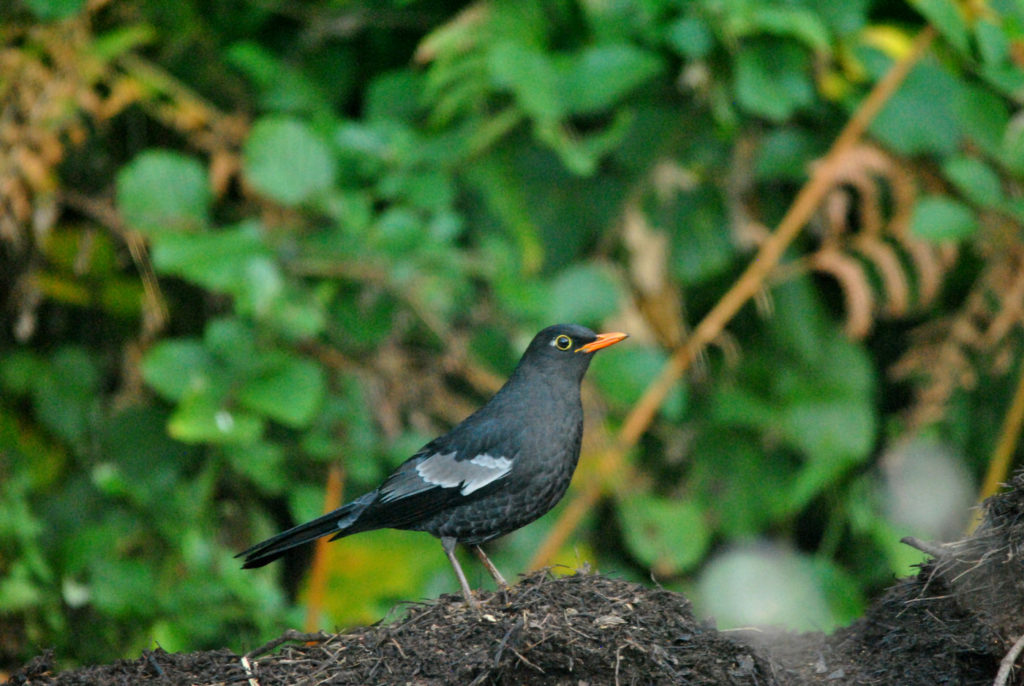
501,468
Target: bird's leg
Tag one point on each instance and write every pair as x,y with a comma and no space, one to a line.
448,543
498,578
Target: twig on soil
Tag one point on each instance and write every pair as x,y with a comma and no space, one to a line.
247,666
152,663
526,662
1008,661
933,549
290,635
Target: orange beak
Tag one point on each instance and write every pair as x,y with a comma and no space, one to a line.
603,341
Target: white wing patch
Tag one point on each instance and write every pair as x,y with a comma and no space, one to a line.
444,470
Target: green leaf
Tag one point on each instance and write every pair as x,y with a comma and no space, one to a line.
531,77
773,79
161,192
834,433
201,417
585,293
218,260
810,390
286,161
993,45
123,587
739,481
1011,149
785,154
581,153
288,389
18,590
399,230
983,117
801,325
944,16
19,371
66,395
736,405
261,462
975,179
690,37
668,535
1006,78
800,24
394,95
938,218
141,457
283,87
54,9
843,17
296,313
118,41
919,118
172,367
598,77
702,248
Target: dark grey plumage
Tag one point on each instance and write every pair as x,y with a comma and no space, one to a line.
502,467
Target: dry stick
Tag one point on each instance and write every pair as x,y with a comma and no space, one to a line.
318,574
1003,454
746,287
290,635
104,212
1006,665
253,681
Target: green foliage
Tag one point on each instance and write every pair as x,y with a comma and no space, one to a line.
286,161
666,534
406,201
938,218
162,191
54,9
773,81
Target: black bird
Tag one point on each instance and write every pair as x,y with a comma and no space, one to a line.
502,467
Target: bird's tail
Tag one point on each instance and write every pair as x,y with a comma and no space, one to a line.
339,522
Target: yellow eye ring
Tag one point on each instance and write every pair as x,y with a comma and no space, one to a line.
562,342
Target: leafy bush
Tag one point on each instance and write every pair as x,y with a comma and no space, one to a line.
244,245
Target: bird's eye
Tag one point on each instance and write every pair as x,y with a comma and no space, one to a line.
563,342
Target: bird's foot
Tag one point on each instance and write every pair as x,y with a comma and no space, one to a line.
471,601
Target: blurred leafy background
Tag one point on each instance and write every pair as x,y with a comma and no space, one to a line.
253,254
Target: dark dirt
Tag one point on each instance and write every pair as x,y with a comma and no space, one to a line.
951,624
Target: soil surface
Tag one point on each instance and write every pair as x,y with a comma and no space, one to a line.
953,623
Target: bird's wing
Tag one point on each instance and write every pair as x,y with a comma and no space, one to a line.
444,470
468,463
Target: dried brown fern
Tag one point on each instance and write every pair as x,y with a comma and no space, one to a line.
951,354
55,88
866,245
47,95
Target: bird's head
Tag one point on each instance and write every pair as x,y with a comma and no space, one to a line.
566,349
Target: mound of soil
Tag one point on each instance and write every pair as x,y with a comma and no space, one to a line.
584,628
957,622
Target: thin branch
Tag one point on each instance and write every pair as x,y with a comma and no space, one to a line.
1002,456
746,287
318,573
154,305
934,549
1008,661
290,635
